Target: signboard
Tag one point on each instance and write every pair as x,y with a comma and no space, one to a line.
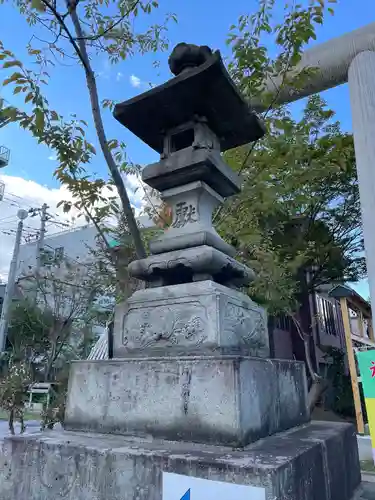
366,363
179,487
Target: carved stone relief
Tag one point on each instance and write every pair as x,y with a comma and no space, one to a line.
248,325
165,326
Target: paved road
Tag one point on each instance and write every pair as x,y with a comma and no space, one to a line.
32,426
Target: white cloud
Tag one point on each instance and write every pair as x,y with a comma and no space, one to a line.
52,158
119,76
135,81
26,194
23,193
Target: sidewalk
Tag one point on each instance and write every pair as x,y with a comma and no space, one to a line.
32,426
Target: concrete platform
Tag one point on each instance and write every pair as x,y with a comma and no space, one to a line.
316,462
228,400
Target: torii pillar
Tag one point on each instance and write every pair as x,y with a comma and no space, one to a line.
349,58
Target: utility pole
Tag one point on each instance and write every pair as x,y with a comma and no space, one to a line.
40,242
21,214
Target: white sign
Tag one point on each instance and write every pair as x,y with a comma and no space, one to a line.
179,487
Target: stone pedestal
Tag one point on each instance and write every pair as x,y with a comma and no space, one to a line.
208,399
315,462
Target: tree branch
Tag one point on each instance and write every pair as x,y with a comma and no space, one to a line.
61,21
95,107
96,37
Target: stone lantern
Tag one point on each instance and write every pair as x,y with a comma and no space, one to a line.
193,327
191,394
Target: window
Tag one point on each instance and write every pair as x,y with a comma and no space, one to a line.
182,140
329,315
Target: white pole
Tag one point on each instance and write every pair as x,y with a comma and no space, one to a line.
361,80
22,214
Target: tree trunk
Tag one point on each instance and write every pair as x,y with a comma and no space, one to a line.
95,107
22,422
318,384
317,388
11,421
51,359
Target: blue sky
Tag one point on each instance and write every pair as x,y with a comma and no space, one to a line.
199,21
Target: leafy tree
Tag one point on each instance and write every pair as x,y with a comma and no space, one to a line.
110,265
55,328
297,220
13,387
78,31
28,332
300,200
52,325
253,65
284,233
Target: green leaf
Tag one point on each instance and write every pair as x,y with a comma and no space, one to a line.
10,64
10,113
29,97
90,147
39,119
54,116
38,5
17,90
15,77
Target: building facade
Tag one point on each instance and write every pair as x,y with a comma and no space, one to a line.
74,245
324,316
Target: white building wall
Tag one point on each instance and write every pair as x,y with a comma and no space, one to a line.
75,243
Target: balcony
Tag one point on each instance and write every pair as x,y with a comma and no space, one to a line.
4,156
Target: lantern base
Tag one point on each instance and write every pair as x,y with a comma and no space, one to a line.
315,462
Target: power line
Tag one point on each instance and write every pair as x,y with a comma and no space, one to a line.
8,217
33,200
10,202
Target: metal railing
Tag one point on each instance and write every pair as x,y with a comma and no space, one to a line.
4,156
